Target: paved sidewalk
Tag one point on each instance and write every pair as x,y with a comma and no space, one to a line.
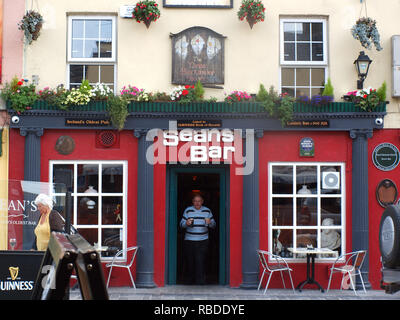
182,292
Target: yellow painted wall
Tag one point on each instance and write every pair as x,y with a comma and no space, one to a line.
4,191
251,55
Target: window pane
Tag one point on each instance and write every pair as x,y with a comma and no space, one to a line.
303,52
331,239
288,31
289,91
330,180
88,178
77,49
303,31
89,234
77,28
64,173
331,209
287,77
317,77
307,211
317,31
306,237
107,74
112,210
105,49
282,212
88,210
112,178
317,52
289,52
306,179
92,73
92,29
282,180
106,30
91,49
112,238
75,73
282,239
303,77
300,92
316,91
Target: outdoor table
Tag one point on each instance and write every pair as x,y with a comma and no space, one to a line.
310,253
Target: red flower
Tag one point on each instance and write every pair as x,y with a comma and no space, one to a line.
20,83
365,96
187,86
192,86
185,92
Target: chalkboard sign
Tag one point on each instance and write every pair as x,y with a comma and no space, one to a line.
198,54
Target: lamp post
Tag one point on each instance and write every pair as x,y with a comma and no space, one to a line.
362,66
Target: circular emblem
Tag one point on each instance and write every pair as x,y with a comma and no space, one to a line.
386,156
65,145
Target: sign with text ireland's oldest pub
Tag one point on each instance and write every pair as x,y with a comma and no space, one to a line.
198,54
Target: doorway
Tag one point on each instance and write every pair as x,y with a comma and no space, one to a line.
210,182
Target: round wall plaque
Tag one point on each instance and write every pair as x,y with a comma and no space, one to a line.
386,156
65,145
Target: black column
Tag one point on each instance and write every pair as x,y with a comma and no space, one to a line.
250,233
145,220
360,211
31,173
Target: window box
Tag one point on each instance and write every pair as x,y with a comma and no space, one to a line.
209,107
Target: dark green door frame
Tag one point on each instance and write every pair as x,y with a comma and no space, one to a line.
173,223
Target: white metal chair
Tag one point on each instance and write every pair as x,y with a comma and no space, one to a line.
279,264
117,264
352,265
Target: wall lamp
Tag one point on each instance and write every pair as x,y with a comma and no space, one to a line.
362,66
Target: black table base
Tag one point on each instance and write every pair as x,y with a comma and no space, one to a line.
310,274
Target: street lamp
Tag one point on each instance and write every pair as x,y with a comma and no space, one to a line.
362,65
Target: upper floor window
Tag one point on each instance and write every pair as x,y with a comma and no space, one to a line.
91,50
303,56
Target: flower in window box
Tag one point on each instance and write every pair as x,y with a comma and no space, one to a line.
251,10
146,11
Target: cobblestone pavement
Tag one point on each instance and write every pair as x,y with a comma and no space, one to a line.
181,292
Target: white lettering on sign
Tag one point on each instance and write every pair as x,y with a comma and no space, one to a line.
201,146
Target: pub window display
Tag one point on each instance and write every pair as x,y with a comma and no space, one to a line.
99,198
304,209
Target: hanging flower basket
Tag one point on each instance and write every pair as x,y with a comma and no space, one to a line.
31,24
251,10
366,32
146,11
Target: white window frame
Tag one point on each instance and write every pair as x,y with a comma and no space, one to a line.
318,196
99,226
112,59
324,62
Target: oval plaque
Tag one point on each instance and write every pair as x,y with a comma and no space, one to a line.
386,192
386,156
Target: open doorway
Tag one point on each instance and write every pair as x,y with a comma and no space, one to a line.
211,184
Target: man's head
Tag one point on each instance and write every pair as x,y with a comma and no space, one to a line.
197,201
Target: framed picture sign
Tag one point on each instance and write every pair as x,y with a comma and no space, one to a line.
218,4
198,54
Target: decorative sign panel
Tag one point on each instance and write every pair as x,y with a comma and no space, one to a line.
307,148
198,54
386,156
181,124
198,3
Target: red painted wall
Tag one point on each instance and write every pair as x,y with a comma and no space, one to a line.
85,141
375,210
284,147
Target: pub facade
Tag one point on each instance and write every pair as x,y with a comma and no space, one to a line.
271,185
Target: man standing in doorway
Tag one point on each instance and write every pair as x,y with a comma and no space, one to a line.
196,220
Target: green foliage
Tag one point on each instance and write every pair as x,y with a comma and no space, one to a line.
19,95
117,107
328,89
381,92
31,24
277,106
198,91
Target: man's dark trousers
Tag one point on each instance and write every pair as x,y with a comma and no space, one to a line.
196,255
